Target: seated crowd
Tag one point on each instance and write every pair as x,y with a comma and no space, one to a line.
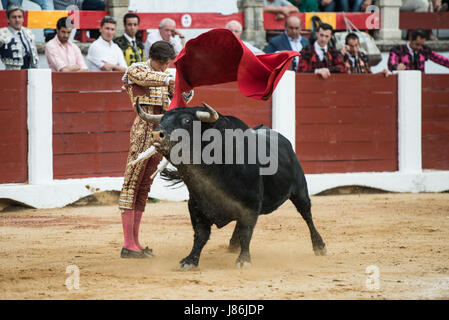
107,53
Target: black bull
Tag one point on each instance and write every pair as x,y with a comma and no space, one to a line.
221,193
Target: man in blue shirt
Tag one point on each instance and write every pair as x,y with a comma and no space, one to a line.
290,39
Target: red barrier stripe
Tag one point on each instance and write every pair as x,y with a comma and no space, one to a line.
93,121
208,20
13,127
199,20
91,102
435,124
424,20
328,151
435,113
342,83
76,143
89,165
86,81
87,19
434,81
344,98
353,132
343,115
311,167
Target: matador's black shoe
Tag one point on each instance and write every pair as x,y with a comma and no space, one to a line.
129,254
148,252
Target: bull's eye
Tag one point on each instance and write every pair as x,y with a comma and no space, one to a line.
186,121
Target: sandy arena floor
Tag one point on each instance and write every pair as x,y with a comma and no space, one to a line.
403,236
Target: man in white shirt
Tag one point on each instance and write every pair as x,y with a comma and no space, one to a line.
104,54
167,31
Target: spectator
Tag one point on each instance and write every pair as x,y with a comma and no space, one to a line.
355,60
414,54
45,5
365,4
444,6
236,29
133,48
104,54
305,5
63,55
17,44
321,58
290,39
341,5
282,8
167,31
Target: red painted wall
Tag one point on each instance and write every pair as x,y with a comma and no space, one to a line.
92,117
347,123
13,127
435,121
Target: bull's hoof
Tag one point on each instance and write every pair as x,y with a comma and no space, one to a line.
243,264
187,264
320,251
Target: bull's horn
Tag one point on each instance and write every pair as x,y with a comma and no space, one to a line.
152,118
210,116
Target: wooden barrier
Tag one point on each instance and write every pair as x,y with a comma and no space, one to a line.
92,117
347,123
435,121
13,127
424,20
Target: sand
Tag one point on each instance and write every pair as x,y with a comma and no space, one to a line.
380,246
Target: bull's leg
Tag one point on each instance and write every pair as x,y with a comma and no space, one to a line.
201,228
302,203
234,243
245,232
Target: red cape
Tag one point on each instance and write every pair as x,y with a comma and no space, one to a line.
218,56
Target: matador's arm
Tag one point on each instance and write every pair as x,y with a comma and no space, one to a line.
146,77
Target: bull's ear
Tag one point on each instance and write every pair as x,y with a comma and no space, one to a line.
210,116
151,118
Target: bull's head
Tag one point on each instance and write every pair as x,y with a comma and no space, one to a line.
179,118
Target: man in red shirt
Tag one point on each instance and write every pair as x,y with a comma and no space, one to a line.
319,57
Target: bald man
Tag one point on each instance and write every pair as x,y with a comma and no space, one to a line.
236,29
290,39
167,31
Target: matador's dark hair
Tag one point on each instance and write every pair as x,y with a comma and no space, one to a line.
162,51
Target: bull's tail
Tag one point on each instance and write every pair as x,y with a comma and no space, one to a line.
173,176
